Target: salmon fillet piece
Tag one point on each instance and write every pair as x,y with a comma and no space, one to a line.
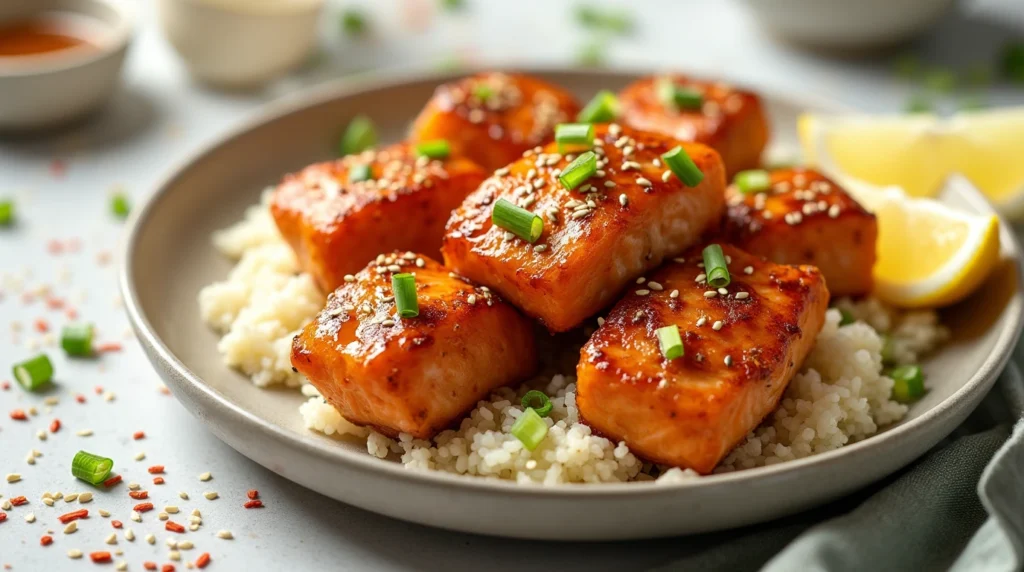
597,238
335,226
806,218
741,350
730,120
412,375
492,118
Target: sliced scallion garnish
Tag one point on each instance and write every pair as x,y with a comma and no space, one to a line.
715,266
360,135
34,373
676,96
90,468
888,349
537,401
530,429
1012,62
6,212
76,339
517,220
753,181
604,107
581,169
404,287
846,318
670,342
574,137
908,383
119,205
436,149
360,173
483,91
679,161
353,21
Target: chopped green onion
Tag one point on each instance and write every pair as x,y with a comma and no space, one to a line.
483,91
847,318
359,173
604,107
573,137
940,80
453,5
683,166
907,66
353,21
1012,62
978,75
119,205
888,350
33,373
6,212
517,220
715,266
670,342
404,288
360,135
753,181
592,54
436,149
971,103
537,401
530,428
908,383
90,468
76,339
919,104
618,22
581,169
672,95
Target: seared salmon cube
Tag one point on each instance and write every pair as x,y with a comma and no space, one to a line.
624,220
412,375
336,218
730,120
804,217
492,118
742,345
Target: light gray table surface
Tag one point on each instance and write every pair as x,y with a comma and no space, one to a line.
61,183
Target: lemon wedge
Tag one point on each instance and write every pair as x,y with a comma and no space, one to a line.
929,255
918,152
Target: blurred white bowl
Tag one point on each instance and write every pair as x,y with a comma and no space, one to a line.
241,43
848,24
45,90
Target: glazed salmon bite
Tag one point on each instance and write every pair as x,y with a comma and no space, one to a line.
802,217
624,220
492,118
730,120
414,375
337,216
741,346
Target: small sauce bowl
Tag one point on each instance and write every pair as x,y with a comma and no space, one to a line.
59,59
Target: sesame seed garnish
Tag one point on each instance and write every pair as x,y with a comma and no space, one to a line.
225,534
609,184
600,321
742,295
84,497
710,294
717,325
471,299
623,200
701,277
129,535
71,527
74,554
674,294
540,247
387,323
642,292
723,291
643,182
655,286
211,495
111,539
701,321
748,270
13,477
728,361
150,539
833,212
666,176
205,477
84,433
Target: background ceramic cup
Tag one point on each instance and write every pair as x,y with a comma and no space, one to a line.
846,24
241,43
44,90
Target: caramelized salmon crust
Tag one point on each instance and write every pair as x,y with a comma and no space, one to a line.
492,118
412,375
730,120
336,225
806,218
621,222
742,346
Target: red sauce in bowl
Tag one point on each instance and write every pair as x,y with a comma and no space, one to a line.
40,35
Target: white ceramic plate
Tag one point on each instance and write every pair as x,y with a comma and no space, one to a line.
169,257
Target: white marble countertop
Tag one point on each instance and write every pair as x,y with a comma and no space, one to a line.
61,181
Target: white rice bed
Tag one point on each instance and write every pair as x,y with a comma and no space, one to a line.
838,397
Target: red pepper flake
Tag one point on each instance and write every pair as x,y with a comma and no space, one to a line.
112,481
256,503
158,480
80,398
42,326
167,568
143,507
98,389
116,523
18,501
46,540
138,495
71,313
3,516
54,425
149,565
5,385
108,347
253,494
54,303
54,247
73,515
174,527
156,470
18,415
203,560
57,168
138,435
100,557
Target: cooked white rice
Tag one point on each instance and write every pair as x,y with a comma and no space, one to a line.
839,396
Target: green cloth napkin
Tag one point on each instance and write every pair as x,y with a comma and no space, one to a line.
960,508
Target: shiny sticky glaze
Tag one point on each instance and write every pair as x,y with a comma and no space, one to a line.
691,411
806,218
412,375
336,226
582,261
519,112
731,120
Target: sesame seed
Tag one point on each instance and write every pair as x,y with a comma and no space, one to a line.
600,321
502,171
666,176
701,277
717,325
13,478
134,486
748,270
103,512
140,456
71,527
643,182
135,516
150,539
74,553
623,200
701,321
471,299
85,497
84,433
674,294
387,323
642,292
710,294
742,295
48,501
205,477
609,184
171,509
723,291
72,497
656,286
833,212
540,247
728,361
580,213
350,278
225,534
212,495
641,280
111,539
30,517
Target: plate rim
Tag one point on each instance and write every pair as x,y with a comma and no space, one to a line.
980,381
